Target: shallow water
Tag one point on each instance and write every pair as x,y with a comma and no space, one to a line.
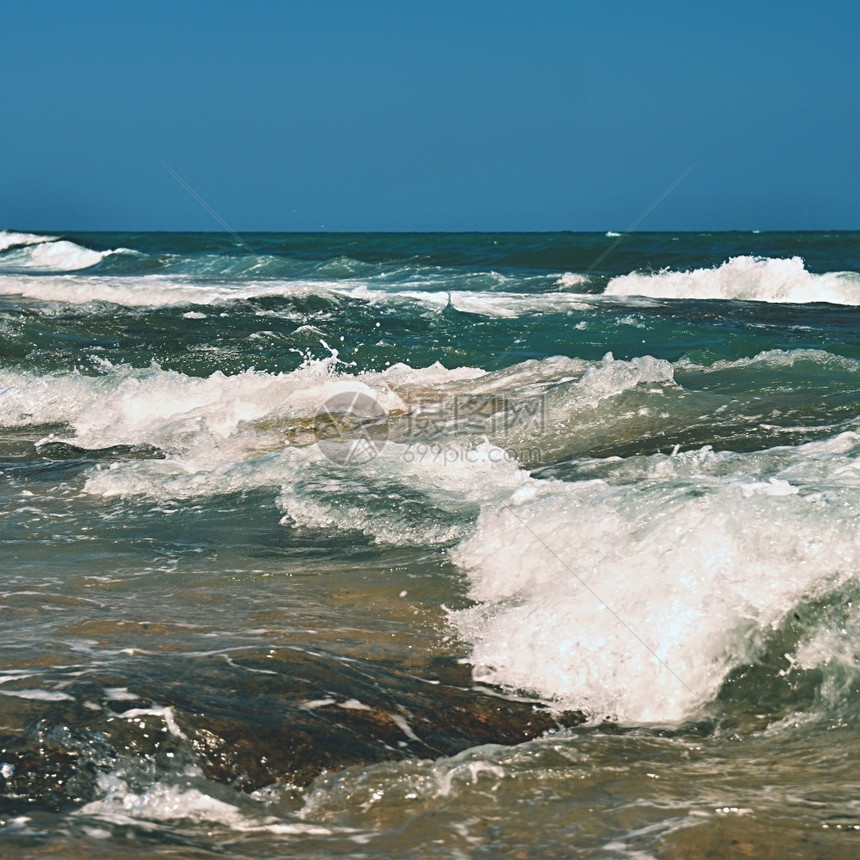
432,545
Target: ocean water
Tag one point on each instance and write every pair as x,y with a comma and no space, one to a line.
456,545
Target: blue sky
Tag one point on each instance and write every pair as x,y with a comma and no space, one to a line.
469,115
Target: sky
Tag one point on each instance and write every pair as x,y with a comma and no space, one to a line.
403,115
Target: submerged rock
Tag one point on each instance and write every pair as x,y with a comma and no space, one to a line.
279,718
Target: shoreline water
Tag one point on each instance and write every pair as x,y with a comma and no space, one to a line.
221,634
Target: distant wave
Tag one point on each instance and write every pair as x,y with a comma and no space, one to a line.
11,239
754,279
165,291
31,252
200,276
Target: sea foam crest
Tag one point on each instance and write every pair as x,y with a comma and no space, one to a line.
12,239
143,291
186,798
130,406
164,290
744,278
635,600
53,256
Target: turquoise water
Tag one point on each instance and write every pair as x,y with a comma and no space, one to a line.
429,545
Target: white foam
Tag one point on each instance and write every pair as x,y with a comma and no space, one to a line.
402,375
56,256
609,377
146,291
38,695
456,475
165,713
635,599
404,727
223,434
167,801
779,358
570,280
11,239
157,407
481,303
354,705
591,402
127,405
169,290
398,784
120,694
744,278
253,429
831,648
514,305
451,485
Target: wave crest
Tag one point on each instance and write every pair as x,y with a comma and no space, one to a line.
29,252
754,279
636,600
13,239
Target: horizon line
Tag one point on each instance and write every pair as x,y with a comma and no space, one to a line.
430,232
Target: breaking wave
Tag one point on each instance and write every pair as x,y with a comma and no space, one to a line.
28,252
753,279
635,595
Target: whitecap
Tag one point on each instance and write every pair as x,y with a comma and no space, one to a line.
744,278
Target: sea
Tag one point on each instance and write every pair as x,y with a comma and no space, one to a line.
430,545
